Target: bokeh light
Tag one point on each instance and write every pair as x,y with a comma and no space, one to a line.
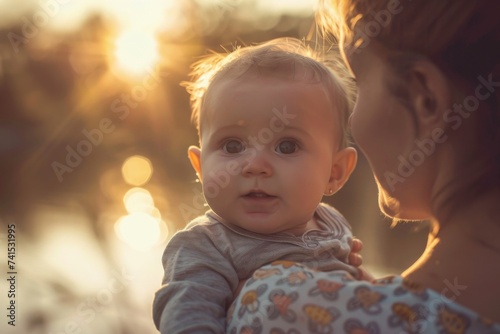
143,227
137,170
139,200
139,230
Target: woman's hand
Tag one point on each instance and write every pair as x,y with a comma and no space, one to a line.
354,257
356,260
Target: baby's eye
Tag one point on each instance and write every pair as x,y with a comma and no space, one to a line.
287,147
233,146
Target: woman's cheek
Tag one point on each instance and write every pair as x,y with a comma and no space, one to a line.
371,140
362,132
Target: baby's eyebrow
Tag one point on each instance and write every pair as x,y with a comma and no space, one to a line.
238,125
216,133
228,128
296,129
236,129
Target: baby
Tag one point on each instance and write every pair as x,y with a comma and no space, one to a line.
272,125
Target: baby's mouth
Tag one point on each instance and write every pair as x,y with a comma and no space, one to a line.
258,194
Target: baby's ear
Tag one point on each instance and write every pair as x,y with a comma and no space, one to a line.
194,154
343,165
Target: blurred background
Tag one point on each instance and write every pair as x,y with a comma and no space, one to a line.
94,128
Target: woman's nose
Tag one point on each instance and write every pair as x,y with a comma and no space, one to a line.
257,163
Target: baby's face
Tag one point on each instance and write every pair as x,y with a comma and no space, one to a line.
267,152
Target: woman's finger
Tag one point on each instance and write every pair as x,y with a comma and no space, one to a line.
357,245
355,259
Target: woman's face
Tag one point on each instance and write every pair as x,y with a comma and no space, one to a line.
385,131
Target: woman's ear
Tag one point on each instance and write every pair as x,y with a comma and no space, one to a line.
429,92
194,154
343,165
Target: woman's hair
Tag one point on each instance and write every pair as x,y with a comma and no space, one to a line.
462,37
282,58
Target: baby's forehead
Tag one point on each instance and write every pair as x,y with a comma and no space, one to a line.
224,86
240,102
290,70
276,91
287,68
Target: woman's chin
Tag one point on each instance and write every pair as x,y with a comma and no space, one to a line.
393,208
389,205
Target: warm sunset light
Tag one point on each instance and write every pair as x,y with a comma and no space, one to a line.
142,228
137,170
139,230
136,51
95,125
138,200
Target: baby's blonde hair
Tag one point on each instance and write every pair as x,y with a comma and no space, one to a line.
283,58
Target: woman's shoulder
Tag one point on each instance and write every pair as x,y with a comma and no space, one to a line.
285,295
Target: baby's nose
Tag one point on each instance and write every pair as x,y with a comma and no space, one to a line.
257,163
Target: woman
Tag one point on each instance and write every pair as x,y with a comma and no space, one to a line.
427,118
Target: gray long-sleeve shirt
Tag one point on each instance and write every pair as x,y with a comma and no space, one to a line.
205,262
